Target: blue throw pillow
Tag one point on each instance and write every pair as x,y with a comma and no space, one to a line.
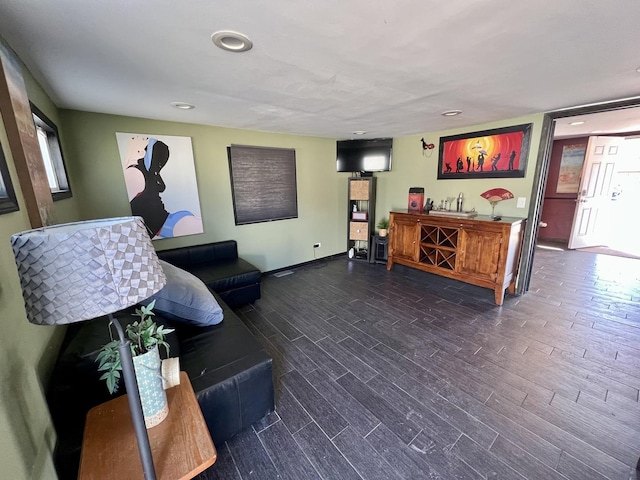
185,298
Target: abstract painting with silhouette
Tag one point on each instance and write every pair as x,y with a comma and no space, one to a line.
160,176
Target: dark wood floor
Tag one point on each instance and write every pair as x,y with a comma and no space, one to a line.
402,374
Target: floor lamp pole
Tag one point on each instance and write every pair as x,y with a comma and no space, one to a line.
135,405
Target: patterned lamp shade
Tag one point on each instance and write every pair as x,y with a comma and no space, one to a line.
78,271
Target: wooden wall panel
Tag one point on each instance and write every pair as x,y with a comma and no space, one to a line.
23,142
557,213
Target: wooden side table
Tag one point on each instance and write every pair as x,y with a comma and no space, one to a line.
181,445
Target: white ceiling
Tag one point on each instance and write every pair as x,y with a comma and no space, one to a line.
617,121
329,67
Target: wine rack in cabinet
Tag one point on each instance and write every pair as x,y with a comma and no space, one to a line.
479,250
438,246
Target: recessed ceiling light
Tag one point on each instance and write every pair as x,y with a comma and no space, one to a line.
451,113
595,131
576,123
638,69
231,41
182,105
359,132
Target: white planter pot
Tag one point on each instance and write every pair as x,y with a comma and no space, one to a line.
152,395
382,232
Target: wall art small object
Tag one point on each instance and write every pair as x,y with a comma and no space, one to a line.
160,177
571,168
497,153
427,148
494,196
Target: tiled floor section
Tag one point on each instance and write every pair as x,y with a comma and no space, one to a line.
406,375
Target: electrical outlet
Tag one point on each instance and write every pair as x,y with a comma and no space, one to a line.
317,245
522,201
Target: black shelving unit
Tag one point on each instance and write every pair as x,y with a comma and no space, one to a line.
361,216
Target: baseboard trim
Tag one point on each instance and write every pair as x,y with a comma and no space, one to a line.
316,261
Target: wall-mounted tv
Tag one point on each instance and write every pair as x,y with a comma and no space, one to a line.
370,155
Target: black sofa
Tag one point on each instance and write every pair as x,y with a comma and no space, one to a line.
229,371
219,267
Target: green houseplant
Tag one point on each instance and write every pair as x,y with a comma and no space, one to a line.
144,335
383,227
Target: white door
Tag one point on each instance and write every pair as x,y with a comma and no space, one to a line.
591,218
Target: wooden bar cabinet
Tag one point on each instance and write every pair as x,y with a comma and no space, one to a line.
478,250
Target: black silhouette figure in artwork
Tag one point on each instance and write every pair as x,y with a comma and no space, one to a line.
148,203
512,159
494,162
448,165
481,161
459,165
468,164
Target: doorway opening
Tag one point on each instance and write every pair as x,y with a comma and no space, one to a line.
554,121
593,189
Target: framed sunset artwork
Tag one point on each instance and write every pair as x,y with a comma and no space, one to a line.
497,153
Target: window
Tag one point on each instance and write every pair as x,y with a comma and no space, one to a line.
47,134
263,183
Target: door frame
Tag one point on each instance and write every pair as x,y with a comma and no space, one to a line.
540,179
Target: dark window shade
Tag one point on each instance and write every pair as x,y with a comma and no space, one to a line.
263,183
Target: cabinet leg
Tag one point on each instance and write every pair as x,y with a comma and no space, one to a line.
512,288
499,295
389,264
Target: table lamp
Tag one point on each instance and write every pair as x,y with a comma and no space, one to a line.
79,271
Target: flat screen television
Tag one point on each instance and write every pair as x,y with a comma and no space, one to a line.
370,155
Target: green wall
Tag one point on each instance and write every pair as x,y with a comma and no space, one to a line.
413,168
27,438
94,162
26,351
